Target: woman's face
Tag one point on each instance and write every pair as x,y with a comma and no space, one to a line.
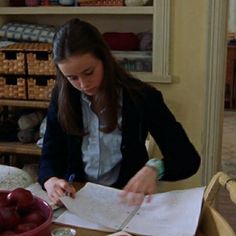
84,72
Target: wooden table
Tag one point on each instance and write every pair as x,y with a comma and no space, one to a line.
89,232
230,93
80,231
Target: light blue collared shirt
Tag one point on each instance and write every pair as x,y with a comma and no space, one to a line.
101,153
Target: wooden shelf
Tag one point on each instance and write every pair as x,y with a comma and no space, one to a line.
24,103
155,18
20,148
57,10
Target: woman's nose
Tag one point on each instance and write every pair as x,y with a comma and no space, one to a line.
82,83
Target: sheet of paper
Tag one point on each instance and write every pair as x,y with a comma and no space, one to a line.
69,218
120,233
172,213
99,204
37,190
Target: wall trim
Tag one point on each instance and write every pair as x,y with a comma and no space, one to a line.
215,84
161,35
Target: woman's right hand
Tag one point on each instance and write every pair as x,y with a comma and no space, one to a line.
57,188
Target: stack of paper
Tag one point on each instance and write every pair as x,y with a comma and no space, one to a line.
174,213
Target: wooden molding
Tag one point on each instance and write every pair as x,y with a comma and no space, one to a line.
161,35
215,84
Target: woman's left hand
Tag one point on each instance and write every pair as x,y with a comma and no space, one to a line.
142,184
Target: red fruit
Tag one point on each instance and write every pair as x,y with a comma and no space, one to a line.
1,221
21,198
34,217
7,233
20,228
9,218
3,200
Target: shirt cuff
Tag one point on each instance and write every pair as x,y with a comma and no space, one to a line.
158,165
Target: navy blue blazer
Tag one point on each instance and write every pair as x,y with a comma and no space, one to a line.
61,153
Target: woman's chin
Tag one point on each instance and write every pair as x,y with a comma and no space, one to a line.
89,92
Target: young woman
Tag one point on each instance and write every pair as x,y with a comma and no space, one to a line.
99,118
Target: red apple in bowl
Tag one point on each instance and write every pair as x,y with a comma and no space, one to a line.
3,200
8,233
21,198
24,227
34,217
9,217
34,221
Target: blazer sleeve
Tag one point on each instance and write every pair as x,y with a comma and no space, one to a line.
52,161
181,160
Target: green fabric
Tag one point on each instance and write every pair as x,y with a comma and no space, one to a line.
158,165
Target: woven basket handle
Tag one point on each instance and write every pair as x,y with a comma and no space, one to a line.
220,179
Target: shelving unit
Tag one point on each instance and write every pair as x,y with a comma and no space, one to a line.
142,18
155,18
18,148
60,10
24,103
9,148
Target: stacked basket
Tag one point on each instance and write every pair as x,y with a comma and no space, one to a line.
12,70
27,71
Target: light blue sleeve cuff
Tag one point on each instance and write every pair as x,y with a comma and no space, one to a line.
158,165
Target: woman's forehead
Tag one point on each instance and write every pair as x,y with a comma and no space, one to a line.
78,63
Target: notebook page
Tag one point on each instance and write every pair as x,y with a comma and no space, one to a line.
99,204
37,190
169,214
68,218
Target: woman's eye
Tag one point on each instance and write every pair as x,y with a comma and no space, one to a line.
88,73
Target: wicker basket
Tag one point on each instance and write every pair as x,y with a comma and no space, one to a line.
39,59
36,56
40,63
12,62
40,88
101,3
12,87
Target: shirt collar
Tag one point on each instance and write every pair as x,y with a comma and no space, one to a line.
85,98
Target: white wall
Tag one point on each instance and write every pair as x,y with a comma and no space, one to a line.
232,16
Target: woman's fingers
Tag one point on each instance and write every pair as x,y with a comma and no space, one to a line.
57,188
141,185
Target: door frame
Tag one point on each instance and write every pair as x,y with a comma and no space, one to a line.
214,88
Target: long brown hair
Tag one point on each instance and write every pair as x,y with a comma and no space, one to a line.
77,37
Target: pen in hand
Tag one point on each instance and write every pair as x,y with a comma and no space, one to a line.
70,181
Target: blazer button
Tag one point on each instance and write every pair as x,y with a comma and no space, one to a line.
123,147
